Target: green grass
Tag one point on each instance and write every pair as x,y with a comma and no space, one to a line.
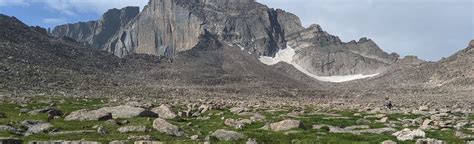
204,128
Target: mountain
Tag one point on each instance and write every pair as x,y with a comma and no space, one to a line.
326,55
31,60
98,33
167,27
178,24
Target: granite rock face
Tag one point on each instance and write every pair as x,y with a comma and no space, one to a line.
326,55
165,27
98,33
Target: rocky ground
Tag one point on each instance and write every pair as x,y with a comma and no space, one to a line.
47,119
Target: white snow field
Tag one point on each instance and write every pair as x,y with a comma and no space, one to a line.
286,55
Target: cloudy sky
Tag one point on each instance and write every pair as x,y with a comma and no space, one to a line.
430,29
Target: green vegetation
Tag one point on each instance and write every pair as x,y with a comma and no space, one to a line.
204,127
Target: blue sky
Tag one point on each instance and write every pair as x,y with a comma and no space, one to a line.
430,29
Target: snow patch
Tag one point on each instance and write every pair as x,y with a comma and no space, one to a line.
286,55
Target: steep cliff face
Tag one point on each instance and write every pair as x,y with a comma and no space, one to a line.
175,25
166,27
98,33
326,55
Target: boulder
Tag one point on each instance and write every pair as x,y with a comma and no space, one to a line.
286,125
50,111
429,141
389,142
164,112
145,105
86,115
148,142
102,130
118,142
251,141
163,126
64,142
423,108
3,115
363,121
227,135
407,134
35,126
10,141
6,128
128,129
128,112
238,124
237,110
426,124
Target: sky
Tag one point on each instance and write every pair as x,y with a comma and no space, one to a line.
429,29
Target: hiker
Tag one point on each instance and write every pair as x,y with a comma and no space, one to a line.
388,103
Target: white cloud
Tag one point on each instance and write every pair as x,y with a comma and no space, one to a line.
12,2
75,7
54,20
430,29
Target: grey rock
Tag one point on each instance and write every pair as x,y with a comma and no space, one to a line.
226,135
389,142
87,115
98,33
238,110
363,121
145,105
407,134
128,112
429,141
72,132
64,142
50,111
118,142
102,130
164,112
148,142
286,125
128,129
10,141
158,30
323,54
163,126
251,141
35,126
6,128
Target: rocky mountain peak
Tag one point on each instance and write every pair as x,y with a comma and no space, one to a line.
97,33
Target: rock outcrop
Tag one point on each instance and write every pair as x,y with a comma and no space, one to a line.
169,26
323,54
98,33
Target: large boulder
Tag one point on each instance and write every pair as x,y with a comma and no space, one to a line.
165,112
286,125
35,126
163,126
128,112
50,111
407,134
10,141
227,135
6,128
429,141
87,115
128,129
